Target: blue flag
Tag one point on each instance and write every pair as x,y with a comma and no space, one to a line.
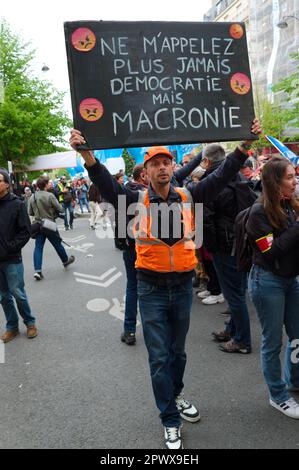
283,149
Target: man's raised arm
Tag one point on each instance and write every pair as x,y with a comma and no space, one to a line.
182,173
109,188
208,189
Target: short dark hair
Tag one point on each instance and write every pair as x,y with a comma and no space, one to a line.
5,175
118,176
42,182
214,153
137,170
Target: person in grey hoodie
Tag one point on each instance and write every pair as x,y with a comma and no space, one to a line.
44,205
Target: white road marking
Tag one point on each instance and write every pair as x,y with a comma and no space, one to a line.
76,239
116,310
82,248
102,305
100,284
98,305
98,278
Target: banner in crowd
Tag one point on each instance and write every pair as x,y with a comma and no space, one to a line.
112,159
78,169
114,162
178,151
137,84
283,149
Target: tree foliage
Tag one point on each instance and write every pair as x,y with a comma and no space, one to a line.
273,121
276,119
32,119
290,86
129,162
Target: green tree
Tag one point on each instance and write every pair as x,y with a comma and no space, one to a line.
129,162
32,119
273,120
277,118
290,86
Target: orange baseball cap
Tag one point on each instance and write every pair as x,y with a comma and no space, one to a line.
155,151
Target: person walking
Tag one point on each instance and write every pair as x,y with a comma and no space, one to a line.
94,201
44,205
218,234
273,230
127,245
14,234
165,264
66,197
82,191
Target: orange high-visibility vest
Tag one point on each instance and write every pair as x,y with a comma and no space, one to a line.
156,255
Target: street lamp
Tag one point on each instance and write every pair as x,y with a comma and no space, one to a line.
283,24
45,68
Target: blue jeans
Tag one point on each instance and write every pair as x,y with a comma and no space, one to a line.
12,286
276,300
129,257
67,207
39,248
165,316
234,285
84,201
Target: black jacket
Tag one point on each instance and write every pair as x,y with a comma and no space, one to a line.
14,228
180,177
219,216
94,194
127,242
203,191
275,250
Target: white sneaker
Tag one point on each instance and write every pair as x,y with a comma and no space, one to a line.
38,276
186,409
173,438
203,294
289,407
213,299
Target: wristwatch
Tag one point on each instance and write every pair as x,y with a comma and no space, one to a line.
245,146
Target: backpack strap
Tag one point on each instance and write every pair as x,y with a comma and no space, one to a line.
35,200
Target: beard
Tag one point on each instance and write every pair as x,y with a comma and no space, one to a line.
163,179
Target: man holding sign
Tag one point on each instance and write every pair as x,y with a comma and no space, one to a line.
135,83
165,263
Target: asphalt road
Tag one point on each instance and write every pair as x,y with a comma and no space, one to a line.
77,386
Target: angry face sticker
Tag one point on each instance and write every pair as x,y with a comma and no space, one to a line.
83,39
91,109
240,83
236,31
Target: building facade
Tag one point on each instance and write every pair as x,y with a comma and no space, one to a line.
269,46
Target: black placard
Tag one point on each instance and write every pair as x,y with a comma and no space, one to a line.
145,83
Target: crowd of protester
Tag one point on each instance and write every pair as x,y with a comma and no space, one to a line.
227,186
